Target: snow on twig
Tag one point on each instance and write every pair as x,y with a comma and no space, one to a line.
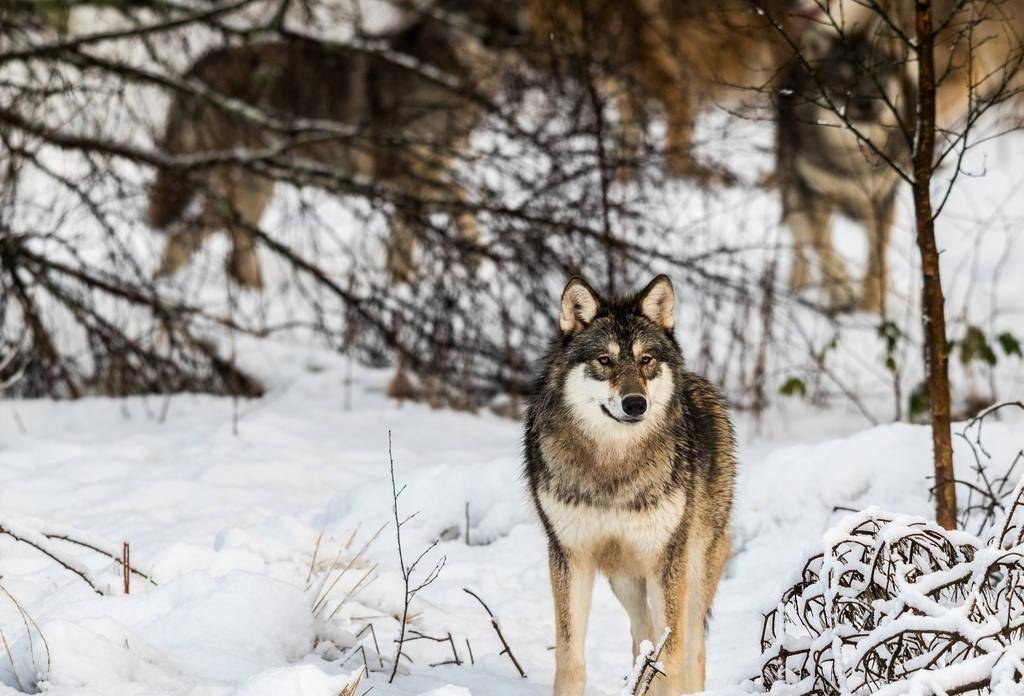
897,604
41,536
41,543
646,667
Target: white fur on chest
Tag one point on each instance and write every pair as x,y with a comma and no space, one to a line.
586,528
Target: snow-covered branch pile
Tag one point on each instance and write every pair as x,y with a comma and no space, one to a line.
897,604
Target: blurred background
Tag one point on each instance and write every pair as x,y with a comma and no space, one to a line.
410,184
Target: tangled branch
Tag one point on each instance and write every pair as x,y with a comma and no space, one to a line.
897,601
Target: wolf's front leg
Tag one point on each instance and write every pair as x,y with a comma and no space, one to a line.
572,580
678,603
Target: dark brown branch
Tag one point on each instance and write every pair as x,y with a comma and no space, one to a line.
506,649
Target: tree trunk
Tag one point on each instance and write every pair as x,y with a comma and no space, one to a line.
936,348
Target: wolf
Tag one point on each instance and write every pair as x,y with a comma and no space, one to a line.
630,462
678,56
854,60
823,164
407,127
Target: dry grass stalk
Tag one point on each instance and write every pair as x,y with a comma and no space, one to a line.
350,688
30,626
336,572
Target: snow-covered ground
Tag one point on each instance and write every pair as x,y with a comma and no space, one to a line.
223,503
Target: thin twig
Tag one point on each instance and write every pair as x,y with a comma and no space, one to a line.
21,537
506,649
77,542
407,570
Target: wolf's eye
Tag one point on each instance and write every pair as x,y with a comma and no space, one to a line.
646,360
604,360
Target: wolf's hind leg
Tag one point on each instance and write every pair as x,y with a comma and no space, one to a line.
800,270
876,283
251,201
237,201
180,246
402,247
811,232
632,594
467,225
572,581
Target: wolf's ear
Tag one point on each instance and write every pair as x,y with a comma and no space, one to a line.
579,306
658,302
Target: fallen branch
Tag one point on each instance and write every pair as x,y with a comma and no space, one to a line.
39,542
506,649
456,659
101,551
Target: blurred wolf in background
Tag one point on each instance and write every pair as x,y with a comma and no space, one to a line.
855,62
406,126
823,167
631,465
681,56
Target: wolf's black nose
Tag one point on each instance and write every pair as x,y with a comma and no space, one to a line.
634,405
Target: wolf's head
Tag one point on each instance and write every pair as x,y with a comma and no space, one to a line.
861,77
495,24
619,357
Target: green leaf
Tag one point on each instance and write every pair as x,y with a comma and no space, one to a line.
890,363
891,333
794,386
920,404
1009,344
976,347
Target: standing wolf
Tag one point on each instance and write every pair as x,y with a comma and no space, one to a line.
846,117
630,462
843,93
408,127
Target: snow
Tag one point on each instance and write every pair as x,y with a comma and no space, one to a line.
195,629
223,504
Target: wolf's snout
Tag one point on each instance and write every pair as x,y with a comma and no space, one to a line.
634,405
